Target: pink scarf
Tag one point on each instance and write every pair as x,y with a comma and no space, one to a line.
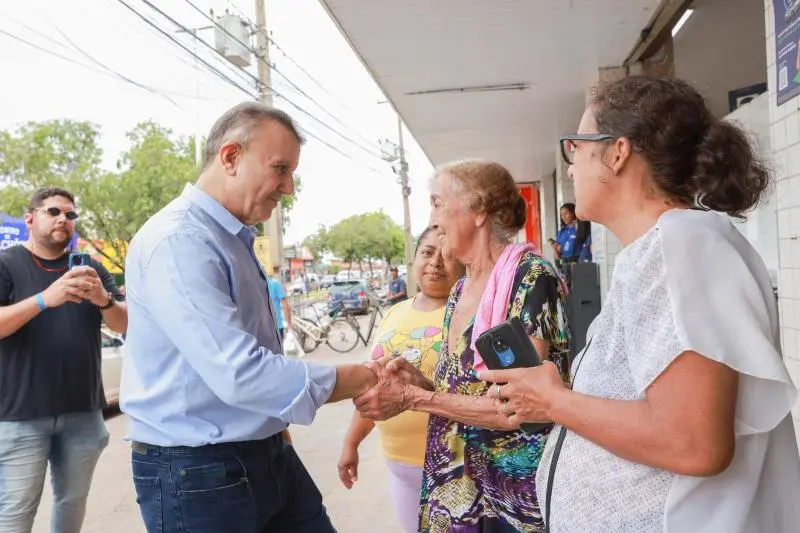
493,307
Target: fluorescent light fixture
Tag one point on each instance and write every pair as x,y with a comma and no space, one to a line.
682,21
479,89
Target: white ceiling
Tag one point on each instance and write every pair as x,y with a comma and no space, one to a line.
556,46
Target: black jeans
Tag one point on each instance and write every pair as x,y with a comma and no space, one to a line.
249,487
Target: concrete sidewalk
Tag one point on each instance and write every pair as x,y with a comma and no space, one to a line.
365,509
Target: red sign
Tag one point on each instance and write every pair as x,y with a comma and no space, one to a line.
533,226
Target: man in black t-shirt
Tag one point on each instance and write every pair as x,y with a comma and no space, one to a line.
51,392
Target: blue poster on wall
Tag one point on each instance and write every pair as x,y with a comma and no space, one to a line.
13,232
787,48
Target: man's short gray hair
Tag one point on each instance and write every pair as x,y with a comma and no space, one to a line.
239,123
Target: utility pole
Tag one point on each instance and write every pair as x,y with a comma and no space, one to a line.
392,153
273,227
411,283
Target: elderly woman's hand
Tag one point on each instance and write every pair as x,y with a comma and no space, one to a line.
525,394
405,371
387,399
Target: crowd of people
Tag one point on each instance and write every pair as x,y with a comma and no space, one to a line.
675,417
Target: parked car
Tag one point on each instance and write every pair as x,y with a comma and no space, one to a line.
112,349
344,275
313,282
327,281
354,294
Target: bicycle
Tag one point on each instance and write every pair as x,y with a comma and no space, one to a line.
342,333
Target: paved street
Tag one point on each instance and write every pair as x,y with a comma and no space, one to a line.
365,509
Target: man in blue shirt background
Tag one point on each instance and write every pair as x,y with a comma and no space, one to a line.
205,386
397,288
280,305
564,243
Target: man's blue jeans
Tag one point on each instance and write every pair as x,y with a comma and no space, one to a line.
72,444
249,487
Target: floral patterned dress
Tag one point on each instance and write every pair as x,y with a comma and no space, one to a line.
472,472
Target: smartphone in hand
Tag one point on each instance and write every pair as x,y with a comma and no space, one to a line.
507,346
77,259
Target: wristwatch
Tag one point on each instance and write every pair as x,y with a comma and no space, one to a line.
110,303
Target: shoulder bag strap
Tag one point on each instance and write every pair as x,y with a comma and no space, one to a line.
562,434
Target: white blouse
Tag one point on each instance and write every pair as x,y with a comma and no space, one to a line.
691,283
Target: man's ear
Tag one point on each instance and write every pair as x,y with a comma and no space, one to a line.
29,218
229,155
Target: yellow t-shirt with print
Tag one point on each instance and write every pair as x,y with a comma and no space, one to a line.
417,336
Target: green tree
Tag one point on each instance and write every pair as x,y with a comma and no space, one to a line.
366,237
317,243
347,240
384,237
150,174
61,153
287,202
113,205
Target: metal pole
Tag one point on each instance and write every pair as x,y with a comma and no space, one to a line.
273,227
411,284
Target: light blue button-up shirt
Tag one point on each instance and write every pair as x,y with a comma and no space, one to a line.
204,363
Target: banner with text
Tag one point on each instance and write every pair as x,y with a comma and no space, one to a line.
787,48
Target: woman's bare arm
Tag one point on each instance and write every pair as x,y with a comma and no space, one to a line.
685,425
478,411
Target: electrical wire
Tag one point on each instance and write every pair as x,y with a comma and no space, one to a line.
112,71
278,71
291,59
186,49
93,69
372,150
253,96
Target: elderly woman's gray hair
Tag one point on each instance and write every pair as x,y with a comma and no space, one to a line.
488,187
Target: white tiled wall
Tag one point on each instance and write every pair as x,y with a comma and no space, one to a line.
605,248
565,189
785,140
548,213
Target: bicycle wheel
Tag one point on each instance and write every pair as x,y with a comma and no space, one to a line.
308,343
342,336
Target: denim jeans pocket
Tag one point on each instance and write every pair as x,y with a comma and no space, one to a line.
216,497
150,500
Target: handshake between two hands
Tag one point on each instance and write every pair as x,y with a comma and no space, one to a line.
398,383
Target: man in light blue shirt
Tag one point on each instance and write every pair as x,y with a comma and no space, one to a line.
205,386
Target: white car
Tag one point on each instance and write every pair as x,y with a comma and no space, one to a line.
113,347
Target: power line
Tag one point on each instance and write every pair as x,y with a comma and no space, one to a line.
291,59
304,71
187,50
109,69
284,76
164,33
93,69
370,150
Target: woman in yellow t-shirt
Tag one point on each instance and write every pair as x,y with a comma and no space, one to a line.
411,329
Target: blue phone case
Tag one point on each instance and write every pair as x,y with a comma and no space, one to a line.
78,259
507,346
